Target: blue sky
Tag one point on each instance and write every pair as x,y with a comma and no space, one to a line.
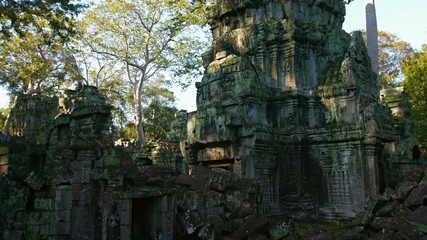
405,18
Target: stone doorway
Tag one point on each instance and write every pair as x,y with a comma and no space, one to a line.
144,218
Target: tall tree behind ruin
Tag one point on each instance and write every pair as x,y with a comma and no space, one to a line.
392,52
146,37
30,33
29,65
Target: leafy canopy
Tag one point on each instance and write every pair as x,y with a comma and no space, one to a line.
17,16
138,41
28,64
392,52
415,72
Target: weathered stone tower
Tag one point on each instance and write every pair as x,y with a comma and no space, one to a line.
289,98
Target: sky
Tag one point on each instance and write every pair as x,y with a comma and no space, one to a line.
405,18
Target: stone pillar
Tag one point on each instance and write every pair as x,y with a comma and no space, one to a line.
125,218
371,171
372,33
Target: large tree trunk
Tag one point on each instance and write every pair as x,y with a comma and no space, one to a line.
6,126
139,117
372,33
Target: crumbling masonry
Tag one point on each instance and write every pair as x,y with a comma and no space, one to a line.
289,98
289,121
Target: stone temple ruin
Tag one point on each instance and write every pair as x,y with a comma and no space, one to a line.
289,98
290,121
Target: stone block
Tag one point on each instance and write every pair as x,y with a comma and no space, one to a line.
75,190
190,221
125,232
395,224
417,195
4,159
43,204
4,169
207,232
242,212
393,209
419,215
403,190
34,181
125,217
63,215
81,171
279,230
321,236
62,228
195,182
125,205
63,198
250,227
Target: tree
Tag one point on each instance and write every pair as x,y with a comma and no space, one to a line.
147,37
392,53
29,65
17,16
4,112
415,71
160,111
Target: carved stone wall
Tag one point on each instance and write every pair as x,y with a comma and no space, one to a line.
404,152
77,185
288,98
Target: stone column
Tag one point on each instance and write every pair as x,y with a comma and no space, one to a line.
125,218
371,171
372,33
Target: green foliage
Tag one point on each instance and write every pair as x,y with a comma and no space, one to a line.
135,42
127,132
158,121
17,16
159,113
415,72
391,53
30,65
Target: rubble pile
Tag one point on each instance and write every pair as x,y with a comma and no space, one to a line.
399,213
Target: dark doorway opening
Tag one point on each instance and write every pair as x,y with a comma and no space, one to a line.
144,218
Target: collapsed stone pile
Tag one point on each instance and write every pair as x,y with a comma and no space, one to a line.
397,214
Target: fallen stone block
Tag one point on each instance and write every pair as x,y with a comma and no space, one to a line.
321,236
279,230
403,191
250,227
419,215
393,209
190,221
417,196
399,225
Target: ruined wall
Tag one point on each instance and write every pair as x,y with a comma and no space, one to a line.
288,98
404,153
76,185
